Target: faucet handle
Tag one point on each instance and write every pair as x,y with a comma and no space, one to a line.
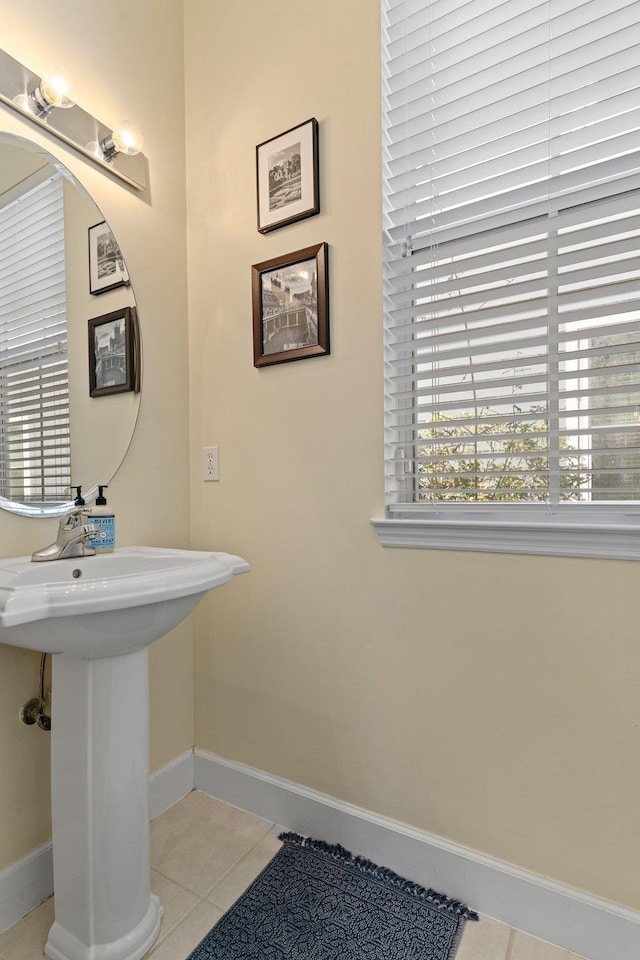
72,527
73,518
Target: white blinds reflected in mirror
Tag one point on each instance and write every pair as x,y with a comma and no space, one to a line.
34,387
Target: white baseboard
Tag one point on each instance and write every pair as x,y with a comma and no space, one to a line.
24,884
27,882
170,784
589,926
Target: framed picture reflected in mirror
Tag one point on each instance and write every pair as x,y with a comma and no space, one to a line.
111,353
107,269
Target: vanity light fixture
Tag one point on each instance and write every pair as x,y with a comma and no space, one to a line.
45,101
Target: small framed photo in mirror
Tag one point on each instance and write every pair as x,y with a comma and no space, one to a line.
111,353
291,307
287,175
107,268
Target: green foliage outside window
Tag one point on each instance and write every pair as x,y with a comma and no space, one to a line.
497,460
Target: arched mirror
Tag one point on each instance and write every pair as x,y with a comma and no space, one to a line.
69,346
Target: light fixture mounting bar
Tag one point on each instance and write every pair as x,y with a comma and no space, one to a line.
75,126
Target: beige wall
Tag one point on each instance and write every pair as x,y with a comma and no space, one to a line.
492,700
122,55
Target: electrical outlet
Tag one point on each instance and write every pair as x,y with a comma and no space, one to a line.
211,463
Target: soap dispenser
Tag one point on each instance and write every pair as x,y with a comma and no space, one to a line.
79,500
104,519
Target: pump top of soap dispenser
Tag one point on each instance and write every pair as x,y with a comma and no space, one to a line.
79,501
101,501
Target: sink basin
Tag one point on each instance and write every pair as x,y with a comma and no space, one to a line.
105,606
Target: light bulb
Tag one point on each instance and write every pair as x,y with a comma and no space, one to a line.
127,138
58,88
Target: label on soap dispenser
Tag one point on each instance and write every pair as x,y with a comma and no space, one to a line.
105,539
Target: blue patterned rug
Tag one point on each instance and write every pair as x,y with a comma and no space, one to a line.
318,902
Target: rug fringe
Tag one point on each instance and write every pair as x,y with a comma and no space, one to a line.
338,852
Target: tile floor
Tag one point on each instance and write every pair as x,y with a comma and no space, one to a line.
203,855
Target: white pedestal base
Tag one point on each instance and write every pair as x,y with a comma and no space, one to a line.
104,909
62,945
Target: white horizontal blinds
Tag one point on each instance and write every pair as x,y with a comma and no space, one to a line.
512,269
34,393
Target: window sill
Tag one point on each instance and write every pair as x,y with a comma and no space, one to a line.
611,533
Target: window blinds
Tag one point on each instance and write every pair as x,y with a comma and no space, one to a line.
512,202
34,395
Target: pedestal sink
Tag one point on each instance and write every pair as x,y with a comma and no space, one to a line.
97,616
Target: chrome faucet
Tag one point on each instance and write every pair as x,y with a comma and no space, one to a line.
72,539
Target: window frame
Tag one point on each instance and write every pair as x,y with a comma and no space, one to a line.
591,530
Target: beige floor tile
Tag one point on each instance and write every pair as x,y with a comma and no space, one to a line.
198,840
485,939
227,891
188,934
528,948
177,903
25,940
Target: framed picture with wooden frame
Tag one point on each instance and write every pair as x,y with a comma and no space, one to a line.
111,353
288,177
290,297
